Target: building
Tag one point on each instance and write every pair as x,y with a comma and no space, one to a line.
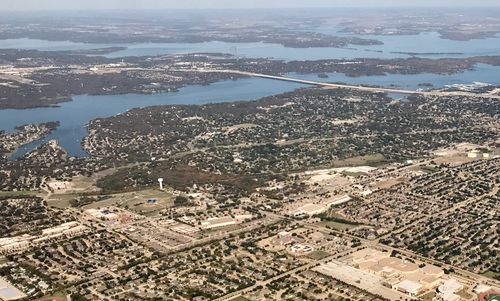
14,244
399,274
473,154
477,154
23,242
409,287
283,238
102,214
216,222
301,249
311,209
449,289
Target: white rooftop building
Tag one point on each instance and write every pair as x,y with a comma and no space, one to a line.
409,287
447,290
450,285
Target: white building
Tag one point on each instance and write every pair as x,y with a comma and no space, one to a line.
24,242
473,154
216,222
409,287
447,291
301,249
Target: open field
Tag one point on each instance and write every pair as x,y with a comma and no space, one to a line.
491,274
465,294
318,255
338,225
372,160
240,298
429,296
219,230
453,159
388,183
55,297
136,201
427,168
16,193
60,200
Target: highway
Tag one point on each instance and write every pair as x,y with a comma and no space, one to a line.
342,86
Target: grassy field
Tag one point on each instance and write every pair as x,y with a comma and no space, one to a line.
338,225
353,174
429,168
240,298
429,296
390,182
493,297
61,200
465,294
17,193
318,255
372,160
218,230
54,297
491,274
136,201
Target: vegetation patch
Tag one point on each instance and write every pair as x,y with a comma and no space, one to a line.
318,255
179,177
240,298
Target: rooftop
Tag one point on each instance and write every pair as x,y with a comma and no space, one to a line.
409,286
9,292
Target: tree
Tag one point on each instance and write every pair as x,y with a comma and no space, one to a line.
181,200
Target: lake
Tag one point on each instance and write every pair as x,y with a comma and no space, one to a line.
75,115
427,44
481,73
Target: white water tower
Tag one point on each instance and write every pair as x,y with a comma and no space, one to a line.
160,180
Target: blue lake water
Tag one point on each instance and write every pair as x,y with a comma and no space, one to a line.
430,42
251,50
75,115
427,44
481,73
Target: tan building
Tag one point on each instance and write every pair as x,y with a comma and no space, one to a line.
402,275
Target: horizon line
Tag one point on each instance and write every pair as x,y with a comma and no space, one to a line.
257,8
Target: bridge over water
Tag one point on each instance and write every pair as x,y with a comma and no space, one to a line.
344,86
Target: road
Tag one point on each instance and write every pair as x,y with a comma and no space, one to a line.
376,242
343,86
302,268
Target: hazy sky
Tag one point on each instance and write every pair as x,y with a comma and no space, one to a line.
156,4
